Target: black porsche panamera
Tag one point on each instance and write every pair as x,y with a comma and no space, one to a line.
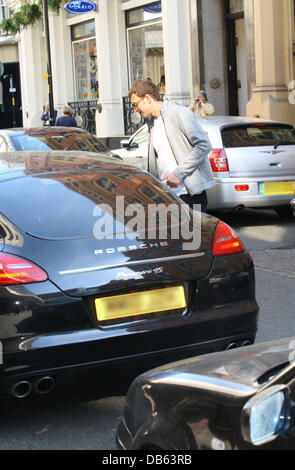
84,289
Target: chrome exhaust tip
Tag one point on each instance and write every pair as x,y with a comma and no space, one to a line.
239,208
231,346
247,342
44,385
21,389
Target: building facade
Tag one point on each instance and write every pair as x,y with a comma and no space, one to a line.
240,51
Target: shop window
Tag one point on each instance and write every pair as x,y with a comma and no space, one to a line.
85,61
145,44
5,12
147,13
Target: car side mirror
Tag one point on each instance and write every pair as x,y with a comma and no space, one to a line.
134,145
267,415
124,144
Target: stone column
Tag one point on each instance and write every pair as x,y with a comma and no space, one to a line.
61,60
177,50
112,67
32,68
270,94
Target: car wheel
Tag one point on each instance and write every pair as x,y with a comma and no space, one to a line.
284,211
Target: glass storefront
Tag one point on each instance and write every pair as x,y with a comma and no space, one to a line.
85,61
145,44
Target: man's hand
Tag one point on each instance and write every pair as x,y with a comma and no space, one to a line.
171,180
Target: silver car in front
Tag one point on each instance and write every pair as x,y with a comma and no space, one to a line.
253,162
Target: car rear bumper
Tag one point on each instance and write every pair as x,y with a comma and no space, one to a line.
229,317
105,370
224,195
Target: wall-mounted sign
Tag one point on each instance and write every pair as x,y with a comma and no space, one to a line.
79,7
156,8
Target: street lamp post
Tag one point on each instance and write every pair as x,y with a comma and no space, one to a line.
49,72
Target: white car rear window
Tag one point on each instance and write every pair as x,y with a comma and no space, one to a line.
256,135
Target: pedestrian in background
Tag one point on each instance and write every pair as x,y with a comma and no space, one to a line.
47,121
200,105
66,120
178,146
46,115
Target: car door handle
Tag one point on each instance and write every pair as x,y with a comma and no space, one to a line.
275,164
139,156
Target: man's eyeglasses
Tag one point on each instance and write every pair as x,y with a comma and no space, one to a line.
135,105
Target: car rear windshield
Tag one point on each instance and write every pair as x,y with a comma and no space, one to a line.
257,135
59,141
72,204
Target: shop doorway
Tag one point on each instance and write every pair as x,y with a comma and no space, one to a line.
236,58
11,106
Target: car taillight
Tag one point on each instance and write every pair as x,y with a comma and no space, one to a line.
226,241
242,187
15,270
218,160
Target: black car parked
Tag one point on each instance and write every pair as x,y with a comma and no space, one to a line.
80,290
50,138
242,399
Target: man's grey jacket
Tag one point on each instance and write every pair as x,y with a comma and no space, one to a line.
190,146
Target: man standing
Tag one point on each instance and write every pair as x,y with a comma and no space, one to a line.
200,105
46,116
178,146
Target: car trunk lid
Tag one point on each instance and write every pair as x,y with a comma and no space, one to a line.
77,231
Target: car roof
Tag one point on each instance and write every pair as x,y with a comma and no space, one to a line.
223,121
18,164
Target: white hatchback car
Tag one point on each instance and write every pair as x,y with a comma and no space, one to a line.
253,161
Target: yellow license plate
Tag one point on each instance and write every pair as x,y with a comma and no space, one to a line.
277,188
140,303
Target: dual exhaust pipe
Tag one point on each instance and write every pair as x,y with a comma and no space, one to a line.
23,388
233,345
46,384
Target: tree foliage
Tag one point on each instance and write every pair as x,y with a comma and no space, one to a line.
27,14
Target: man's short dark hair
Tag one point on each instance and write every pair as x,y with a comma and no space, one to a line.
144,87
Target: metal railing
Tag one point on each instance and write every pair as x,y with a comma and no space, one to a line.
84,113
132,119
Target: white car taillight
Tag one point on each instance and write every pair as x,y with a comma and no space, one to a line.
218,160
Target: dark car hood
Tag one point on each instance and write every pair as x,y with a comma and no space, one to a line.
239,370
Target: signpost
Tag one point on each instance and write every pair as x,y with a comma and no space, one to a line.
49,72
